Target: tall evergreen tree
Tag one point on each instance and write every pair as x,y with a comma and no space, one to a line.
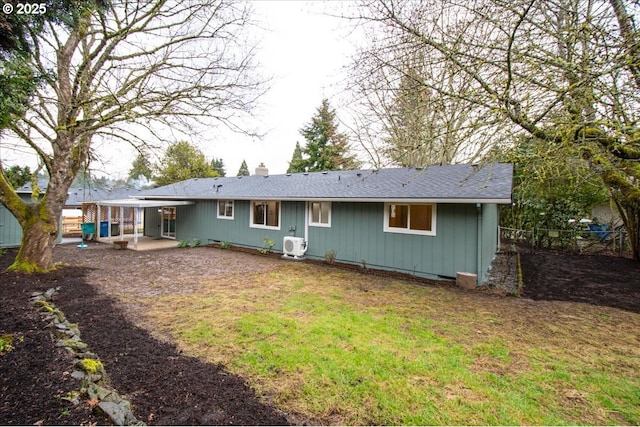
297,163
244,169
140,167
423,129
218,166
18,176
326,148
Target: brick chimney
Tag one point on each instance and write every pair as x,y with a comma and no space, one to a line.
262,170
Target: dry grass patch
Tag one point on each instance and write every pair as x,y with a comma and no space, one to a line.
344,348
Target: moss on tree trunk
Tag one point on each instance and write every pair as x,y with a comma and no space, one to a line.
39,222
39,237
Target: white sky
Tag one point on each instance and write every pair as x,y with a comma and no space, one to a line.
305,51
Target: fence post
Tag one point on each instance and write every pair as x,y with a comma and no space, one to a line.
533,238
619,242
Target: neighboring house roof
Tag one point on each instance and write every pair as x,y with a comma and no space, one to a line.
490,183
26,188
76,195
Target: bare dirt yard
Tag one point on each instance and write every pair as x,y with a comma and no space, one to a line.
99,287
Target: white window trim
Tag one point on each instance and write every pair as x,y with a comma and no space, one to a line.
233,209
319,224
434,216
266,227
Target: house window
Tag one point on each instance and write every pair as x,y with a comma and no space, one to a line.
320,214
411,219
265,214
225,209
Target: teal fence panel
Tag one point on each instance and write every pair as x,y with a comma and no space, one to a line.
10,230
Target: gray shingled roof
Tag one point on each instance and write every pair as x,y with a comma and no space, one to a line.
450,183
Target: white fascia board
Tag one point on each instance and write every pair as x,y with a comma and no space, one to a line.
139,203
426,200
356,200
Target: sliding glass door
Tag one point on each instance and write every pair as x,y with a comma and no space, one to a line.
168,222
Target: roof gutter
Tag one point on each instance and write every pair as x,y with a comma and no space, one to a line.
504,201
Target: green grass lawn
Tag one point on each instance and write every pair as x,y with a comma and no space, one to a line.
343,348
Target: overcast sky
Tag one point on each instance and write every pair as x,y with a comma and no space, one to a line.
305,50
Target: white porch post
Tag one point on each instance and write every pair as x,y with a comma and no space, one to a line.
98,209
121,222
135,227
109,224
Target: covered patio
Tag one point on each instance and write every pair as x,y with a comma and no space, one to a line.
121,222
146,243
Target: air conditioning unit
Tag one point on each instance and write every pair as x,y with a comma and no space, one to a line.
294,247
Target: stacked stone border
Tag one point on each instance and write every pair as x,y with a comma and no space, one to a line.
88,369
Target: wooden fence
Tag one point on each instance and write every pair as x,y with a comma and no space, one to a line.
71,226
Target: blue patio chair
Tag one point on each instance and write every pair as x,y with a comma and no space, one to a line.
601,231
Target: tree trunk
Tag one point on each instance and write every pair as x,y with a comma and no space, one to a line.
40,224
39,236
630,215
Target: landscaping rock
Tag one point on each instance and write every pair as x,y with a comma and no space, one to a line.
117,412
89,370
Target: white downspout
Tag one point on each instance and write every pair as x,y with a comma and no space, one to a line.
479,249
306,225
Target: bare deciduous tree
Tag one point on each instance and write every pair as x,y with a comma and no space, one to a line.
424,108
116,68
563,71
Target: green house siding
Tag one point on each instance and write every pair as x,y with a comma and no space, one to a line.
200,221
356,235
489,236
152,219
465,235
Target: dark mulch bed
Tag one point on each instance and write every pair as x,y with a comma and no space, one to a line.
34,376
594,279
165,387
